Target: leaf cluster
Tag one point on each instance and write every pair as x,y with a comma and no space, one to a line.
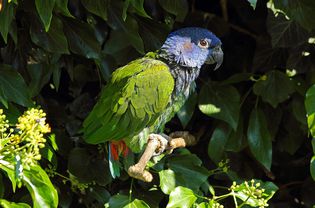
251,112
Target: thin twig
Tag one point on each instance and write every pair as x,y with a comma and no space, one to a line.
224,10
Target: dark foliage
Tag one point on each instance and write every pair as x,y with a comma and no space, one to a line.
59,53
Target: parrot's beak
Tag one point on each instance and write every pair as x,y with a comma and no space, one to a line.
216,57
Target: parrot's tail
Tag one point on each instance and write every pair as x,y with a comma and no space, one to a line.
116,149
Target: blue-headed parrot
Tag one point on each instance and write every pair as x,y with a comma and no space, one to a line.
145,94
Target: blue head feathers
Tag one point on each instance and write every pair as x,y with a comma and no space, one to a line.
193,47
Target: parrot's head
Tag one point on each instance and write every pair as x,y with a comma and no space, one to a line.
193,47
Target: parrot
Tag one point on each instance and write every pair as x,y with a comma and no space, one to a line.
142,96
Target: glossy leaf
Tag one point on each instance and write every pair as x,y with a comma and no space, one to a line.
97,7
44,9
253,3
40,75
6,17
259,138
13,87
276,88
118,201
188,170
312,167
284,32
62,6
6,204
181,197
187,111
137,6
40,187
221,102
300,11
179,8
54,40
129,27
81,38
217,142
167,180
242,192
310,109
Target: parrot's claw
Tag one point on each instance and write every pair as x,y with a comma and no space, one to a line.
157,144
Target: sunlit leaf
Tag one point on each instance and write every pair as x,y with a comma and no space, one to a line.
181,197
221,102
310,109
6,204
40,187
167,180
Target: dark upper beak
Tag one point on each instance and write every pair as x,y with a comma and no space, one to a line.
216,57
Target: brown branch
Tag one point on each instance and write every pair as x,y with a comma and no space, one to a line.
225,14
156,144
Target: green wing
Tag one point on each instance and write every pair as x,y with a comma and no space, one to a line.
136,96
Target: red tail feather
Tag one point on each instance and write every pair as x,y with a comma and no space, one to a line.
118,148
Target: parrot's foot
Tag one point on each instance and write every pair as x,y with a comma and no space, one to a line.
156,145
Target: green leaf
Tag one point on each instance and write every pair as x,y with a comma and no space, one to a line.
13,87
188,170
244,192
81,38
259,138
137,6
11,174
179,8
97,7
54,40
6,204
62,6
40,187
137,204
181,197
310,109
40,75
44,9
187,110
253,3
276,88
167,180
86,169
118,201
218,141
129,27
6,17
284,32
152,33
300,11
221,102
312,167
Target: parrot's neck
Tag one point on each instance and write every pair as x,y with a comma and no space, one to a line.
182,75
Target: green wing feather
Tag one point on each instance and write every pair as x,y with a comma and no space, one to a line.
136,96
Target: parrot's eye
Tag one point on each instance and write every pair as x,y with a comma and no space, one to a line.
203,43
